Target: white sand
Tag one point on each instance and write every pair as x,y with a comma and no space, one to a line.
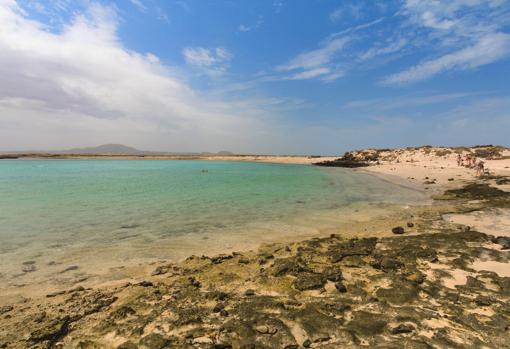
502,269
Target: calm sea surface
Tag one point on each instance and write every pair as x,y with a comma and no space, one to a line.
130,210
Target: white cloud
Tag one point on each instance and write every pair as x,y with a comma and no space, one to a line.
318,57
336,15
309,74
315,63
465,33
278,5
81,86
246,28
334,75
390,47
139,5
488,49
348,11
243,28
212,61
323,63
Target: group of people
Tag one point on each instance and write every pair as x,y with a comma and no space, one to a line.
471,162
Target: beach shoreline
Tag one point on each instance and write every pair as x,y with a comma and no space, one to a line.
374,265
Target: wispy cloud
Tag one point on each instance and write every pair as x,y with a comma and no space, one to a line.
488,49
246,28
316,63
325,63
404,102
278,5
213,61
458,35
358,27
139,5
336,15
243,28
184,5
388,47
346,11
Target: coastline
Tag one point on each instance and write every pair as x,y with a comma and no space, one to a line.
311,273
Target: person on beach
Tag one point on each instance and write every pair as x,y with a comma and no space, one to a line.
466,161
480,169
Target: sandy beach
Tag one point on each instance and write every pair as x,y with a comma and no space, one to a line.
254,174
429,275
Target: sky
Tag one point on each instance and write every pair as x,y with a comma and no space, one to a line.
268,76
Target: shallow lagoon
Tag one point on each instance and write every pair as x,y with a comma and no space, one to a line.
99,214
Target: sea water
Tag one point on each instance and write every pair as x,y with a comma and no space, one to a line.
110,212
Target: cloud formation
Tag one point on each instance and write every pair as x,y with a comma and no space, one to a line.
488,49
316,63
212,61
468,33
81,86
451,35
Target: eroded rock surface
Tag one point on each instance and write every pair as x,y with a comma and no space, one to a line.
411,291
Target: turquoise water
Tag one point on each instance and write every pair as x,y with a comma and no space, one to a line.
155,208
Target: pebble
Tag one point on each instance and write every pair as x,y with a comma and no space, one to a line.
145,284
70,268
6,309
28,268
243,260
340,287
402,328
264,329
398,230
218,307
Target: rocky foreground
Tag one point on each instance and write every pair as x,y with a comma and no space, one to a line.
448,287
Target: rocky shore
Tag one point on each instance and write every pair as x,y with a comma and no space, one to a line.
432,285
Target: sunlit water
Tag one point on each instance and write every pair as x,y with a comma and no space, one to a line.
101,213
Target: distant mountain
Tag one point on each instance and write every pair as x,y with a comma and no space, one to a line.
114,149
120,149
107,149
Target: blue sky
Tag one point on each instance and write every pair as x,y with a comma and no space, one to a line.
276,76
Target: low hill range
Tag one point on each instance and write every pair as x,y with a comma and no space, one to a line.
119,149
